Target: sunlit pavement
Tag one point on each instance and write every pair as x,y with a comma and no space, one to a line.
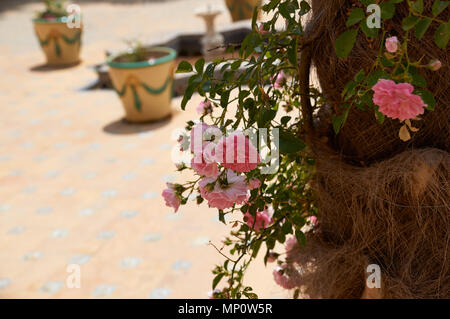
79,186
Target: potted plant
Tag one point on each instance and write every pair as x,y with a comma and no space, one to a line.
143,77
242,9
59,39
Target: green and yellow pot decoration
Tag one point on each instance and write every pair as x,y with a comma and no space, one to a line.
242,9
60,43
144,87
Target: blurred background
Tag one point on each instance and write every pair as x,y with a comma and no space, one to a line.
78,185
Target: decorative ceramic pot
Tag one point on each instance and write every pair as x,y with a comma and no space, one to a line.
60,43
242,9
145,87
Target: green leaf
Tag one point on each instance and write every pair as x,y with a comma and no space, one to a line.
187,96
349,90
285,119
292,52
380,117
370,32
339,121
224,99
304,7
300,237
442,35
417,79
266,116
422,27
199,65
256,247
360,76
222,217
355,16
418,6
387,10
409,22
184,67
439,6
290,143
217,279
427,98
345,43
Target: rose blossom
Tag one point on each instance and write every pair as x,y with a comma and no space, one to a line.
313,220
205,169
237,153
212,293
199,133
204,107
261,29
397,101
170,196
202,164
392,44
282,279
272,257
223,197
278,80
254,183
435,65
263,220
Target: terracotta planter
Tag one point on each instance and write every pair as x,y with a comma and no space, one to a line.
60,43
242,9
145,88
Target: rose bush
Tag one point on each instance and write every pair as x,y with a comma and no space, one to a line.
273,93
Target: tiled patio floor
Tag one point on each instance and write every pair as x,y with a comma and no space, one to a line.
79,186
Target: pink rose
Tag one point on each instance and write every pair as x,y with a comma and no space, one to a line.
200,133
237,153
272,257
397,101
202,164
263,220
313,220
392,44
254,183
281,277
205,169
279,80
171,197
212,294
435,65
261,29
221,196
204,107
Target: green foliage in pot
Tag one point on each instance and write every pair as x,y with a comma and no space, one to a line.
53,9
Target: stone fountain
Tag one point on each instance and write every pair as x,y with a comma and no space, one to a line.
212,42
